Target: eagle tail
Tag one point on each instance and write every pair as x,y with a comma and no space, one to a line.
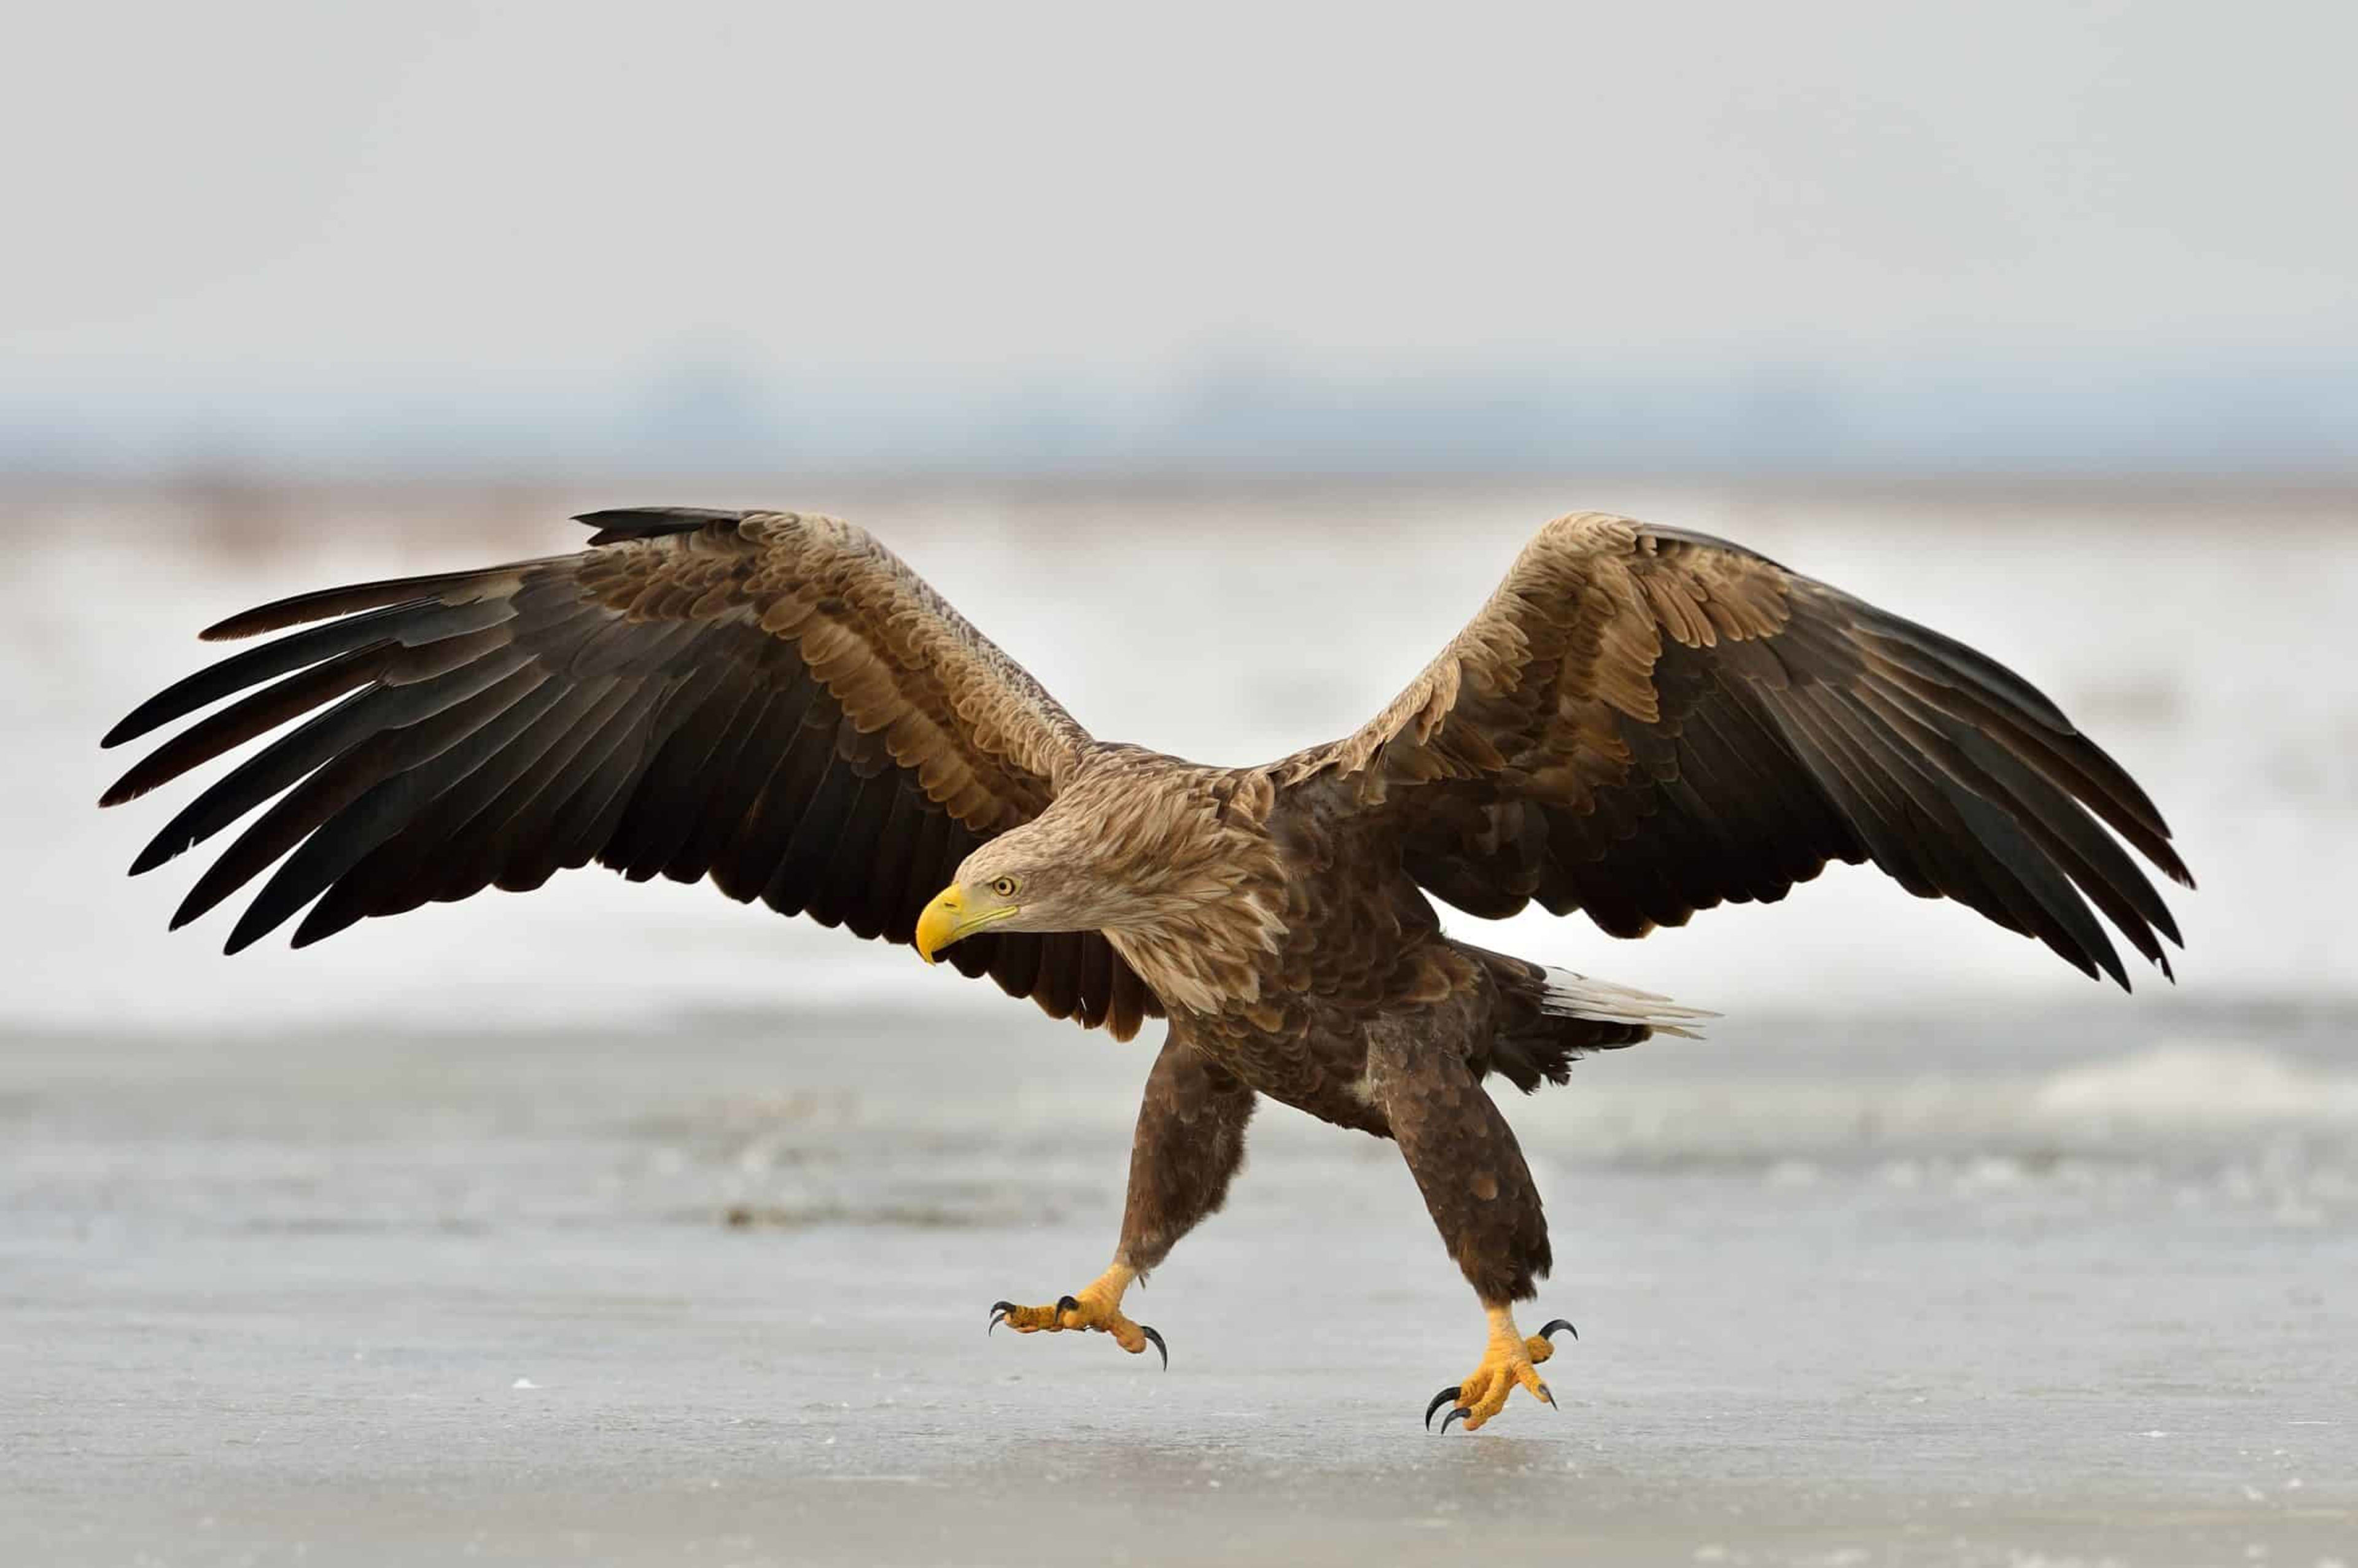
1569,996
1549,1017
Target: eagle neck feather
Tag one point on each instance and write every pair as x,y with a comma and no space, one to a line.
1203,895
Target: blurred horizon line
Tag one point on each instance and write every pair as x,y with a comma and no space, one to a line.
2157,419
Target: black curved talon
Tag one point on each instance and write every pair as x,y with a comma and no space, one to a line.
1156,1340
1440,1400
1065,1304
1460,1411
1548,1397
1548,1332
999,1311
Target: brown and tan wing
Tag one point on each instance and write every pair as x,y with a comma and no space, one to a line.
772,701
1644,722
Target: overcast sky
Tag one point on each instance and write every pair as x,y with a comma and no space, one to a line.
549,197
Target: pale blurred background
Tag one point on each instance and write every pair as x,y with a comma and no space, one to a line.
1215,363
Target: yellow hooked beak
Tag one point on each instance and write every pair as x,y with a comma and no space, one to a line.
947,919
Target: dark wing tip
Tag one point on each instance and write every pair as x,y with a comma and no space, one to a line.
253,623
258,921
159,850
619,523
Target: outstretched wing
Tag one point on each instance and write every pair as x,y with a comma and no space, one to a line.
1644,722
773,701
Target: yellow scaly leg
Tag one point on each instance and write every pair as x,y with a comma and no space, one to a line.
1510,1361
1095,1305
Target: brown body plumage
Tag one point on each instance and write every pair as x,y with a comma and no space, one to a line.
1640,724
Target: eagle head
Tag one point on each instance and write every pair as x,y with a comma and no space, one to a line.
1135,852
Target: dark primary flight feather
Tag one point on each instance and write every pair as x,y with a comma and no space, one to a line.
1644,722
770,701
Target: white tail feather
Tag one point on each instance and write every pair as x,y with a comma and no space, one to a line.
1577,996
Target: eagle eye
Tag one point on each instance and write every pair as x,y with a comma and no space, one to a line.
1003,886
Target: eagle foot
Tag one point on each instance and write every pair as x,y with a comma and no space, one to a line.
1096,1307
1510,1360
